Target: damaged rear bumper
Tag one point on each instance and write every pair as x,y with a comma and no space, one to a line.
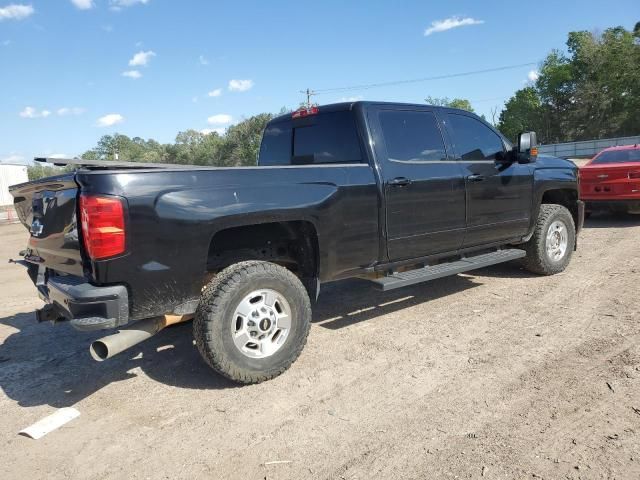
86,306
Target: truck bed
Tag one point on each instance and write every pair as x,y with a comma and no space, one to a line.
173,214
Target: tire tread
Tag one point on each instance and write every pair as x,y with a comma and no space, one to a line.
536,260
210,307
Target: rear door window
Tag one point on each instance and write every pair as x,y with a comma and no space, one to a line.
327,138
275,148
412,136
472,139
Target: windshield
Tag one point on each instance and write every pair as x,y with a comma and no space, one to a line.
618,156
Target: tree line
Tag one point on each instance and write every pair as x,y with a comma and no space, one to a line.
591,91
238,146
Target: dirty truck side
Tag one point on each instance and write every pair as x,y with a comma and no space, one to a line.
397,194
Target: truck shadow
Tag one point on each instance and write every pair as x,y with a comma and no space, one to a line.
612,220
503,270
347,302
45,364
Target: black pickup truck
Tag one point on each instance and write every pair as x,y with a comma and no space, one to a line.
394,193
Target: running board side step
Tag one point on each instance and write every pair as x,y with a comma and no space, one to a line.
411,277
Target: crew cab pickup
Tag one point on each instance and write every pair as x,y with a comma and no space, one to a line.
394,193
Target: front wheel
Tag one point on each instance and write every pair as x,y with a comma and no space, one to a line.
554,237
252,321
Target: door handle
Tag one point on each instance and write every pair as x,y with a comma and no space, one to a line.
399,182
476,178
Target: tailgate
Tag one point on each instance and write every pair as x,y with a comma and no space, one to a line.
47,208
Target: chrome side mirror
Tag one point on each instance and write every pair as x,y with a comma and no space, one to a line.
527,146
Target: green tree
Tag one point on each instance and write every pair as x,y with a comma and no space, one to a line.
606,69
592,91
523,112
38,171
461,103
555,87
242,141
238,146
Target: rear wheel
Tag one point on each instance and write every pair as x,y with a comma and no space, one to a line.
252,321
550,248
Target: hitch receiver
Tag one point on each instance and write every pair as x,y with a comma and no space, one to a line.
48,313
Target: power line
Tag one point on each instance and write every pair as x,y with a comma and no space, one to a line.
423,79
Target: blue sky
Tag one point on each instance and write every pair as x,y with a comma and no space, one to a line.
73,70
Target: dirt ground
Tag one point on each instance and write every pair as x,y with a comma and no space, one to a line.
496,374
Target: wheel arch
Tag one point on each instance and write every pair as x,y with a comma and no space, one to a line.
293,244
560,194
567,197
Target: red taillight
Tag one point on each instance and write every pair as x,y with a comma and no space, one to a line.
634,175
102,220
304,112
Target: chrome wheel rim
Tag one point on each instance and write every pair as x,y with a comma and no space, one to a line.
557,240
261,323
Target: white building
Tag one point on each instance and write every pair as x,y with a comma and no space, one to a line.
10,175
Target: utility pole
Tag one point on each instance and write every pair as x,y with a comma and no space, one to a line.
309,93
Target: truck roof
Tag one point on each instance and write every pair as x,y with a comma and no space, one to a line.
341,106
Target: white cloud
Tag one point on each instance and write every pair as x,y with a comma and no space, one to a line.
449,23
349,99
203,60
219,131
118,5
240,85
135,74
15,12
220,119
533,75
141,58
12,158
30,112
215,93
83,4
5,43
58,155
65,111
110,120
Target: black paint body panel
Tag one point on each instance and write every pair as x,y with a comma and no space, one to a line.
173,216
361,222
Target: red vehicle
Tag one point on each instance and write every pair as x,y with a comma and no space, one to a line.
611,180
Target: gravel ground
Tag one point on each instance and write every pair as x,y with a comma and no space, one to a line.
495,374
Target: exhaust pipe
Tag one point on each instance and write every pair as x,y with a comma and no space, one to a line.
107,347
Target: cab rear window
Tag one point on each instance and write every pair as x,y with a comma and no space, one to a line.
318,139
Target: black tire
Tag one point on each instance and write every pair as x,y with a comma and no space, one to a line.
537,259
212,326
